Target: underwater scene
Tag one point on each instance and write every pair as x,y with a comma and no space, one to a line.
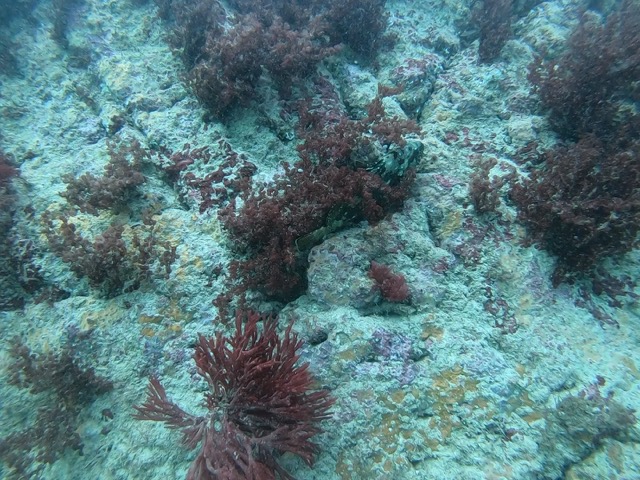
320,239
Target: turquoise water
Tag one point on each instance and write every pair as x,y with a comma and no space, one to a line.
443,197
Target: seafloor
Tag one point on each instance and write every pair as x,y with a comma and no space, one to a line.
438,388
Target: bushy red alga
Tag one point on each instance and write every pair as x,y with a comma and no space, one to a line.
260,404
582,204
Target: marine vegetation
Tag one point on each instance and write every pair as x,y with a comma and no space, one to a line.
392,286
114,261
590,87
493,19
114,189
11,294
260,404
118,258
62,384
228,50
579,424
582,202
